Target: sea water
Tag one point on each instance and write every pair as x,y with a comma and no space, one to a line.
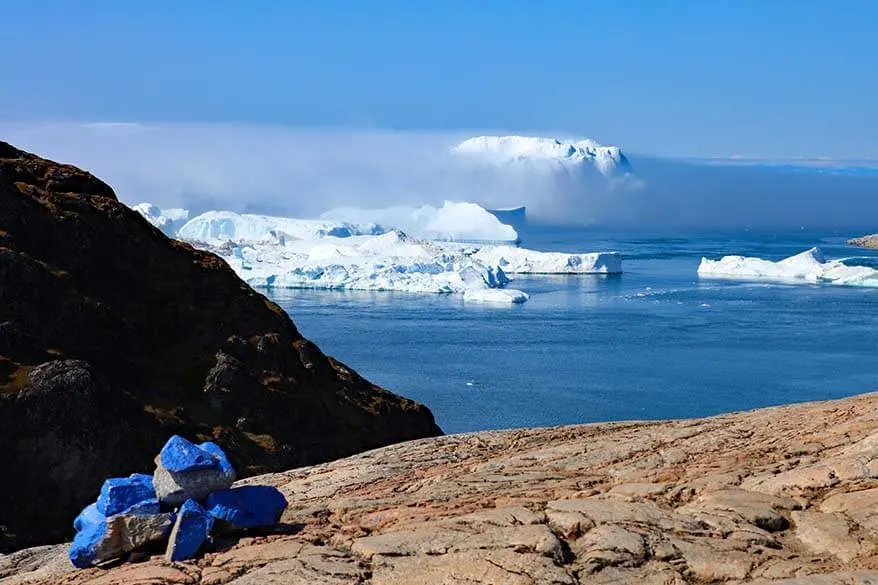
655,342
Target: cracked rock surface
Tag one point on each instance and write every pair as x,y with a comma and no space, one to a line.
783,495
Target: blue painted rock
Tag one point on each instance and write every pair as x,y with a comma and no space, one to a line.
178,455
101,538
215,450
186,471
89,515
145,507
247,506
118,494
190,531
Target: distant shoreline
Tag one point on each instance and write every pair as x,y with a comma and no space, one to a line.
869,242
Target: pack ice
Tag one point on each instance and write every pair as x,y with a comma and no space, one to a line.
336,254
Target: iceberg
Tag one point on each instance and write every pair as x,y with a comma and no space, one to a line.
356,249
808,266
222,226
522,261
511,216
167,220
560,181
549,154
496,295
453,222
393,261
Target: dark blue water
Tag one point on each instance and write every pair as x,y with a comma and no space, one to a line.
655,342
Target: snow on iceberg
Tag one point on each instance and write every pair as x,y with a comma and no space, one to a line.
454,222
336,254
808,266
558,181
522,261
392,261
222,226
167,220
549,154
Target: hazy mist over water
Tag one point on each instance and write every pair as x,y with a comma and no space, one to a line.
304,172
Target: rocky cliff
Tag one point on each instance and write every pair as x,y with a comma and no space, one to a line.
783,495
113,337
870,242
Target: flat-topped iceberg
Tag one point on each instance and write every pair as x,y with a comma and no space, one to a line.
560,181
221,226
608,160
523,261
808,266
548,154
495,295
454,221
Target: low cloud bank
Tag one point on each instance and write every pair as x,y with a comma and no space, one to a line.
305,173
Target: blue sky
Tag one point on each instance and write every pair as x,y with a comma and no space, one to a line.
697,78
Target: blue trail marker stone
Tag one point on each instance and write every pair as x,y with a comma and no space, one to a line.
180,455
90,534
247,506
190,531
187,471
215,450
121,493
102,538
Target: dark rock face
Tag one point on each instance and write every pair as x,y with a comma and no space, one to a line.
113,337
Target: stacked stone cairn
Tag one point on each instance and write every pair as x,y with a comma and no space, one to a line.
188,497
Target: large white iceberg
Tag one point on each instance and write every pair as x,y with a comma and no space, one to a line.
532,153
167,220
504,150
337,254
808,266
392,261
221,226
577,181
523,261
454,221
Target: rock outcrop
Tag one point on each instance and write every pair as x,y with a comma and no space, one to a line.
139,511
114,337
870,242
783,495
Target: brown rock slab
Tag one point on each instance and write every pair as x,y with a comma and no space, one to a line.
484,567
827,533
538,506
